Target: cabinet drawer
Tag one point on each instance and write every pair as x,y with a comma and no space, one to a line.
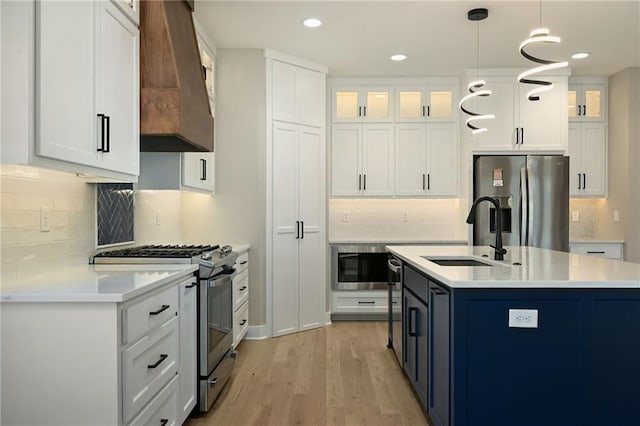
240,323
610,251
344,302
242,262
240,289
162,410
148,365
139,318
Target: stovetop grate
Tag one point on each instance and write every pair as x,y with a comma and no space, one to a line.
160,251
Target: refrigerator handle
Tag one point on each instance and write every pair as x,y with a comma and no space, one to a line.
524,205
530,207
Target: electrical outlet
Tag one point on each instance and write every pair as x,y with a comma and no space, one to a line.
44,219
345,216
616,216
575,216
405,216
523,318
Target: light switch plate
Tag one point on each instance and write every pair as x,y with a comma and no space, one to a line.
523,318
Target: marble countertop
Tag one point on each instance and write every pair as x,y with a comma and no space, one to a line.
540,268
91,283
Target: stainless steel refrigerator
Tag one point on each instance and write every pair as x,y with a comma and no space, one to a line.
533,192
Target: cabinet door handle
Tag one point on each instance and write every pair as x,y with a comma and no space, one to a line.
203,163
102,129
364,182
584,110
579,106
517,135
243,322
429,181
108,120
364,302
359,111
302,229
584,181
158,362
359,182
423,110
423,184
297,229
159,311
364,110
429,111
521,135
579,181
191,285
411,322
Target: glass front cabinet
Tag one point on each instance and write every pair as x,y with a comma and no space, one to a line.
420,104
587,101
365,104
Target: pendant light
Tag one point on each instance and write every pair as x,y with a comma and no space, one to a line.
475,87
539,35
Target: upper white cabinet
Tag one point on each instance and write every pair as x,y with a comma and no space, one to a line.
427,104
362,160
587,99
362,103
588,160
298,94
426,159
87,93
521,124
178,171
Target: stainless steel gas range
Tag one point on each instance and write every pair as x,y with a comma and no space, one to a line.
215,305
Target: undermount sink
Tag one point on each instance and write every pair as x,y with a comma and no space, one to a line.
464,261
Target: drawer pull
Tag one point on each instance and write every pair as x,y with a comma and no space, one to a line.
394,303
243,288
595,252
438,291
192,285
162,309
243,322
163,422
158,362
244,262
360,302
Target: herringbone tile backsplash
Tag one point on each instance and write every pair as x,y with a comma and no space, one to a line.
115,213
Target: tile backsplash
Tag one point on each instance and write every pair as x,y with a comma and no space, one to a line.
67,200
114,213
585,226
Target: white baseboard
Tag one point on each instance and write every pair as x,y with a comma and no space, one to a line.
257,332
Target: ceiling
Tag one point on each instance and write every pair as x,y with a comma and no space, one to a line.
357,37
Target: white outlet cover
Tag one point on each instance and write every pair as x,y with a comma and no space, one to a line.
523,318
575,216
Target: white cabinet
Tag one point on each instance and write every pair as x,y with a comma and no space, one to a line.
588,159
426,159
298,234
298,94
609,250
241,296
108,363
193,171
521,124
587,99
87,92
362,160
372,104
187,356
435,103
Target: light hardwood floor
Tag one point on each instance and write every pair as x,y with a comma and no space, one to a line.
342,374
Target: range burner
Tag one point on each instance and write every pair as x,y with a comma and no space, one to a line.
160,251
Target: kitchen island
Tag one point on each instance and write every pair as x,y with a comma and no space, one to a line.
541,338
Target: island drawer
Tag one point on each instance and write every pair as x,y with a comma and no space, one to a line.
148,365
141,317
416,282
610,251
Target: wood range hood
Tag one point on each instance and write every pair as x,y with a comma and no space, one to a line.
175,115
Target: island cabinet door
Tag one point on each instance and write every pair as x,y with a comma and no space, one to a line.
439,352
416,339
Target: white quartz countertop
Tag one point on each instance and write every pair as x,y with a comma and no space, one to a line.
403,242
540,268
91,283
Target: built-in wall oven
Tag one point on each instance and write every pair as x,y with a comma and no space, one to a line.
359,267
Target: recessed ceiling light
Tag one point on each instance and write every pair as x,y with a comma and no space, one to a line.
580,55
312,22
398,57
